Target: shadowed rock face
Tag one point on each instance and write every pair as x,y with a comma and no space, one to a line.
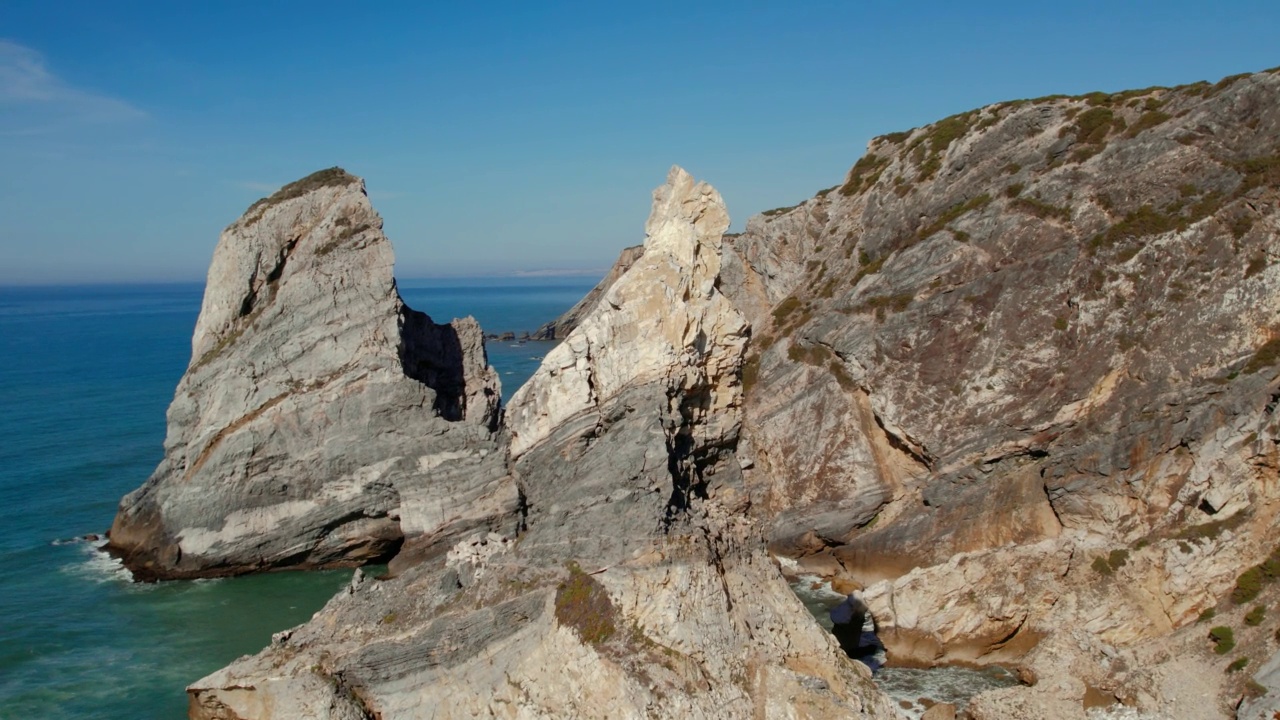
320,420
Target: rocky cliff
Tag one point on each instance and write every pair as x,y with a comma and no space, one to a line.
320,421
560,328
1016,375
639,587
1015,378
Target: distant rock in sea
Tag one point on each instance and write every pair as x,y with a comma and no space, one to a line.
320,421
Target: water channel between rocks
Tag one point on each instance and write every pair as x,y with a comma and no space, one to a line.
914,689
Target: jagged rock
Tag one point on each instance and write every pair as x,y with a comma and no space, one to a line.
560,328
320,420
639,588
1018,375
974,361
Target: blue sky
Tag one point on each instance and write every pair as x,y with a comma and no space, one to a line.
504,137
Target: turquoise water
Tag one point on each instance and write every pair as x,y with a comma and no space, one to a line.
86,374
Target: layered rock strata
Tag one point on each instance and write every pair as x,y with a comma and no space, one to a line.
639,587
1017,374
320,421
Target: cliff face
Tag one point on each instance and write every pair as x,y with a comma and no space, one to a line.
560,328
320,420
639,587
1016,377
1017,374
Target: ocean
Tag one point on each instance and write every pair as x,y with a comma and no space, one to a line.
86,374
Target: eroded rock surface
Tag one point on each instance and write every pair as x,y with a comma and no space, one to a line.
321,420
560,328
1017,375
640,588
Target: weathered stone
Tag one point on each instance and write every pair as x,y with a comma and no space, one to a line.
638,589
560,328
974,361
321,421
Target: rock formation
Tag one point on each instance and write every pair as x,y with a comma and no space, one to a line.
1017,377
560,328
639,588
320,421
1017,374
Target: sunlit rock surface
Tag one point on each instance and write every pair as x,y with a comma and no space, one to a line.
320,421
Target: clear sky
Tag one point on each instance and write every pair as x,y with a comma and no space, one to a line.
505,137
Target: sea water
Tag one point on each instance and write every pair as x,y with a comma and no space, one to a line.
913,689
86,374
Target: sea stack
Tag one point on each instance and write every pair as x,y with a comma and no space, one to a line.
639,588
320,420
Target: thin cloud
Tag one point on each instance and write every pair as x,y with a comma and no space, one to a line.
27,84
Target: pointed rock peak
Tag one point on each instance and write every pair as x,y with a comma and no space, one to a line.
663,321
686,214
313,421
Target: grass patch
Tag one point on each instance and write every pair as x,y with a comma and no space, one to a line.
1210,530
1257,264
1148,120
1224,639
750,372
789,305
954,212
347,232
1101,566
1241,226
1248,585
780,211
880,304
1041,209
864,174
894,138
930,146
1263,357
1258,172
1143,222
329,177
583,604
867,266
1111,562
1255,616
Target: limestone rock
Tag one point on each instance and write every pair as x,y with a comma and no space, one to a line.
992,359
639,588
560,328
320,420
663,321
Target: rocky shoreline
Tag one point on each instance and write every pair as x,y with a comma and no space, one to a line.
1014,383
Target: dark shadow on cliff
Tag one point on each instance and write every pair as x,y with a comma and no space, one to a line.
432,354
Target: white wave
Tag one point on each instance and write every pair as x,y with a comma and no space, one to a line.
96,565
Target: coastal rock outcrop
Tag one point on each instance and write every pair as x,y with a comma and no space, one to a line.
638,588
1017,377
560,328
320,421
1018,373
